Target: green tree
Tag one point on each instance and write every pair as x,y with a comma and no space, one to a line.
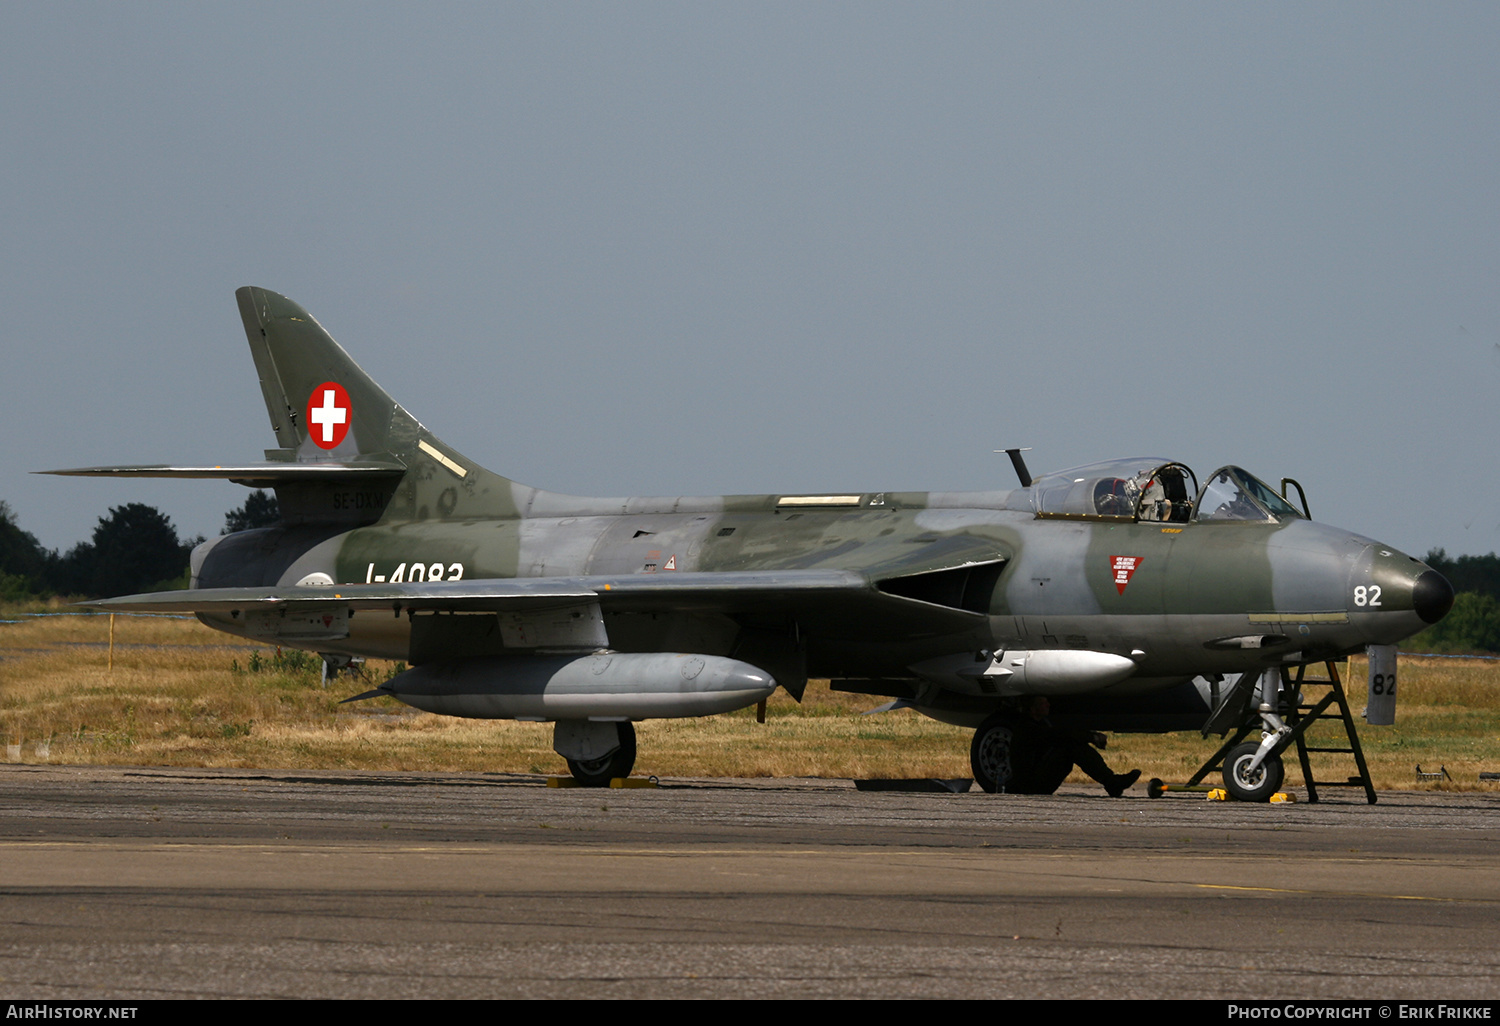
1468,573
260,510
132,550
23,561
1472,625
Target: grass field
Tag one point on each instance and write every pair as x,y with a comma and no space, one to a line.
179,694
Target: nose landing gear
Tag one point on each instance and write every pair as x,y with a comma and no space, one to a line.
1248,782
1254,771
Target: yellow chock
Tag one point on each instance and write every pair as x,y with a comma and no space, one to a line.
633,782
1218,794
616,782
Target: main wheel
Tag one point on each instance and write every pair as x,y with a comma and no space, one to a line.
1256,786
990,754
618,763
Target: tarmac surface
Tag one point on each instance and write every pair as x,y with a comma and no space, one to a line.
133,883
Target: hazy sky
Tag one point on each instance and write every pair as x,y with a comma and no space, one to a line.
701,248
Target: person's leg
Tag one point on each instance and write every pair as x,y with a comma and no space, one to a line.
1089,760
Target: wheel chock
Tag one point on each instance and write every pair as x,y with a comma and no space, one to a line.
633,782
616,782
1219,794
1156,787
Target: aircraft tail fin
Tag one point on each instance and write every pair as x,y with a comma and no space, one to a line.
326,410
322,405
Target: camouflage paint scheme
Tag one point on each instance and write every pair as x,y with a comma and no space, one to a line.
427,557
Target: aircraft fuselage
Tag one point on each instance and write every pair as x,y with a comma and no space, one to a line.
1184,598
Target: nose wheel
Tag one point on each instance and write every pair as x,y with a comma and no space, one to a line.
1249,784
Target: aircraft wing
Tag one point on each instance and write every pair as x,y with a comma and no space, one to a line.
833,601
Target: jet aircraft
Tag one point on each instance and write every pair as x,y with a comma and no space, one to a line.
1124,591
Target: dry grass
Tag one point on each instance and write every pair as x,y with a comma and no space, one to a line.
174,697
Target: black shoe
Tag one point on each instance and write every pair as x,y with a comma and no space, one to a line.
1121,782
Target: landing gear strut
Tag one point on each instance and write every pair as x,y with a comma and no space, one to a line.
1253,772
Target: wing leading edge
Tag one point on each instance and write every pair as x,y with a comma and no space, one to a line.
828,600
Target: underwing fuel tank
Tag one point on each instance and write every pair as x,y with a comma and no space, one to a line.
606,685
1023,672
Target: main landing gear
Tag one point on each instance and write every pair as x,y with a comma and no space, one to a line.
991,753
596,752
1014,754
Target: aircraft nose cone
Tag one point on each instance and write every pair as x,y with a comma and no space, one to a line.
1432,596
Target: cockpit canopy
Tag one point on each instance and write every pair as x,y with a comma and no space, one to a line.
1234,494
1156,491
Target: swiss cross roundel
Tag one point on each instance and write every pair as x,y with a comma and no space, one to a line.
328,414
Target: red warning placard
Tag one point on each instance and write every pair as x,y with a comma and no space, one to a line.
1124,568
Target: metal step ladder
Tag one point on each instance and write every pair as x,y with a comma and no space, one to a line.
1306,715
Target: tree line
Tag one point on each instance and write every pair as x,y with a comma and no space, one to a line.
134,548
1473,625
